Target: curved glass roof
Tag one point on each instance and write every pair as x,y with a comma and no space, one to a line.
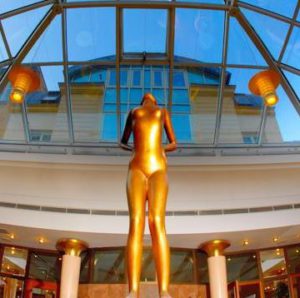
96,59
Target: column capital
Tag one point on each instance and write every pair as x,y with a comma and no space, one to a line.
71,246
215,247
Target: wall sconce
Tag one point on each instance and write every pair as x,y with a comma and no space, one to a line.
23,80
264,84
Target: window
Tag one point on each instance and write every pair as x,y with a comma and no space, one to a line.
157,78
250,137
40,135
14,261
178,79
136,78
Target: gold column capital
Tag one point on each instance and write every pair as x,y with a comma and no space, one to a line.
71,246
215,247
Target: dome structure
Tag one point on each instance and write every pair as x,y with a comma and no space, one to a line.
235,174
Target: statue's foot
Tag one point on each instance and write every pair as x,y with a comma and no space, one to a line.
132,295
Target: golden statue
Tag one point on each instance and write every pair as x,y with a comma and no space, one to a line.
147,180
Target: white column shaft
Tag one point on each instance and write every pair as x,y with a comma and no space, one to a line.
70,276
217,277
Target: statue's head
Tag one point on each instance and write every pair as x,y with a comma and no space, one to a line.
150,97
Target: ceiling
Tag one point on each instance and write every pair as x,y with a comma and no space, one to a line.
199,55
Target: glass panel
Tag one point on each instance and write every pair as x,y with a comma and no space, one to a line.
271,31
148,266
14,261
292,52
11,123
182,267
19,27
144,30
46,108
44,267
3,53
109,267
11,287
195,97
273,262
277,288
296,286
11,5
242,111
93,105
88,37
84,268
202,268
241,49
48,48
283,121
249,290
294,80
293,259
242,268
279,6
199,34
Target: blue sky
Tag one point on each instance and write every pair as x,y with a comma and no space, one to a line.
198,35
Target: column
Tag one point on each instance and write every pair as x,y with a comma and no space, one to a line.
217,267
70,266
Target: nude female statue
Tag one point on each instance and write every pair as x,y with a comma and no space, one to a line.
147,180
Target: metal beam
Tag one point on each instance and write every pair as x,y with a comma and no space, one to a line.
171,45
223,79
25,9
66,75
25,123
146,4
267,56
119,50
5,41
269,13
262,124
289,68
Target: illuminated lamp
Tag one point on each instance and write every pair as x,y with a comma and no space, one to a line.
23,80
264,84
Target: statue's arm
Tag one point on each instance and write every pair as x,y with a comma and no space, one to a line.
170,132
126,134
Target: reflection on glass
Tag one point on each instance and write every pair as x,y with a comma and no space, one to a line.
48,48
276,289
182,267
202,267
14,261
251,290
242,268
46,108
19,27
144,30
199,34
241,49
292,52
91,33
194,103
273,262
11,287
44,267
93,104
241,111
36,292
148,267
296,286
293,259
283,121
84,268
270,30
109,267
204,1
279,6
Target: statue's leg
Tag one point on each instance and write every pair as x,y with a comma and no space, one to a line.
157,197
136,196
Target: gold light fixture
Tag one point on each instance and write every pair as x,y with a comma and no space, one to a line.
275,239
264,84
246,242
41,240
23,80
